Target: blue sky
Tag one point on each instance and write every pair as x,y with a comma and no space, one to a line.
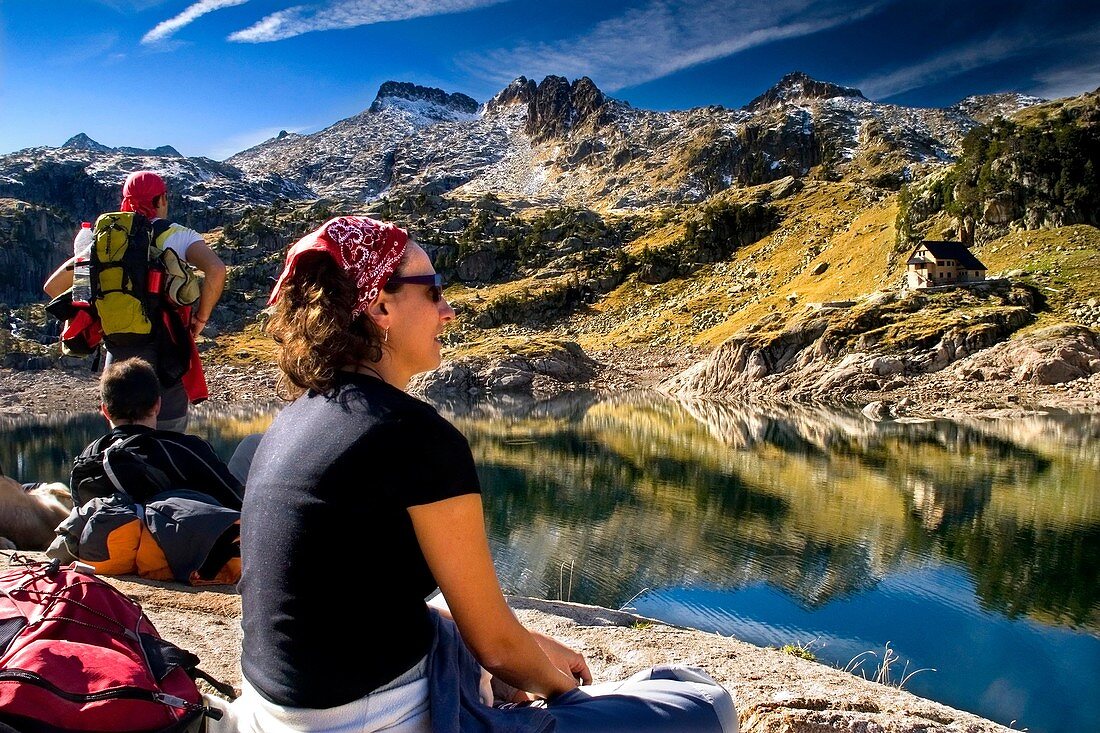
212,77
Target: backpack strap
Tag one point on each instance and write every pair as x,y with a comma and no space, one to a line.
116,446
223,687
160,227
125,264
97,446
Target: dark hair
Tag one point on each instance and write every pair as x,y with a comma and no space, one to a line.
314,330
129,390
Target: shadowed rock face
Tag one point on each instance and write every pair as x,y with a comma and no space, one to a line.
84,178
520,91
558,106
33,240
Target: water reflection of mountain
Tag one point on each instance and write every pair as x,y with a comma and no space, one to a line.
637,492
566,405
224,427
42,447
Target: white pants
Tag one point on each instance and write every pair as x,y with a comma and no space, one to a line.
400,706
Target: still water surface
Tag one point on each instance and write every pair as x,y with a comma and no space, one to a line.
967,548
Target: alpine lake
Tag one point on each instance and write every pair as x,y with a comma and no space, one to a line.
958,559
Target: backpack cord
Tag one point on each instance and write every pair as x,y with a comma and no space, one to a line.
111,476
56,596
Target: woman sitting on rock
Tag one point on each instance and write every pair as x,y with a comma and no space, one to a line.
361,501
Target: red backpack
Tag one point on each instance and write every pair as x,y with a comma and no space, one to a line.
78,655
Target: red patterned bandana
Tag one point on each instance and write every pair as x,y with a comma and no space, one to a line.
368,250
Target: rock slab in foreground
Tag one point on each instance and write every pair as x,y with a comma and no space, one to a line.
775,692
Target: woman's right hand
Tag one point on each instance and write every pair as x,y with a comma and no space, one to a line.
567,660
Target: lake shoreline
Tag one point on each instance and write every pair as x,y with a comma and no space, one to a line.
236,388
939,395
774,691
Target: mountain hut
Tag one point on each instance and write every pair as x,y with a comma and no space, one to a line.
942,263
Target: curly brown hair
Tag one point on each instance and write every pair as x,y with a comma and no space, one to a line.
314,329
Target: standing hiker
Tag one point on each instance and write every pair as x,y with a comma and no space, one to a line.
359,488
146,193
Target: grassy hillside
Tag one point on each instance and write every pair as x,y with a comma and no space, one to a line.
1063,263
843,232
828,241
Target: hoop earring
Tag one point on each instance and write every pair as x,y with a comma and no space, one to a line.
386,336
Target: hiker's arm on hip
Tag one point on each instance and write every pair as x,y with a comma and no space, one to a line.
451,534
60,279
202,257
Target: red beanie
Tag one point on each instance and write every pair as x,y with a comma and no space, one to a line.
140,189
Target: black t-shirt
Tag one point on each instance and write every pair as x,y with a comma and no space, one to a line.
333,581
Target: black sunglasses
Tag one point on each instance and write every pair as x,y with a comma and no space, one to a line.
434,283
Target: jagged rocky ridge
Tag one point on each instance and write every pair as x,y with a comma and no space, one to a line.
554,142
550,144
558,142
83,178
81,141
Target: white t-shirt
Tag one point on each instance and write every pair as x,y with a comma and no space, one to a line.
179,239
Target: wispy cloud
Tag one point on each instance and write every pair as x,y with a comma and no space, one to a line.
1067,81
665,36
1001,46
165,29
337,14
946,65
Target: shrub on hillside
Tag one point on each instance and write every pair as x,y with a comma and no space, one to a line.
715,234
1039,171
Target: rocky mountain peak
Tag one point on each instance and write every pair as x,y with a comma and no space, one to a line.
521,91
430,102
81,141
557,106
798,85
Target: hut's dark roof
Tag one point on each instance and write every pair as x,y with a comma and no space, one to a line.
952,251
